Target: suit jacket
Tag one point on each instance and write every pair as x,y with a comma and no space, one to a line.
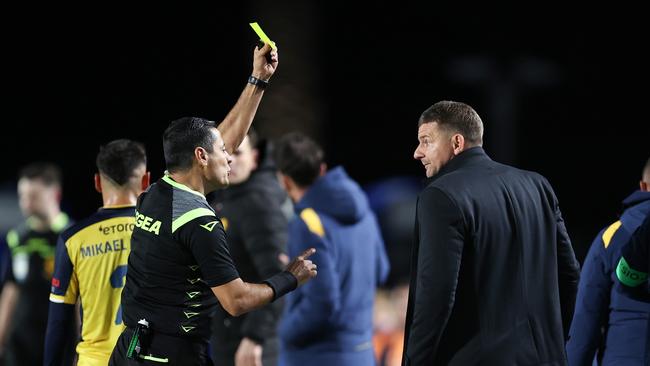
494,276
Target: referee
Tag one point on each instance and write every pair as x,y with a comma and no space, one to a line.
179,264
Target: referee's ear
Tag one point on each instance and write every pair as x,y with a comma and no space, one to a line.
98,183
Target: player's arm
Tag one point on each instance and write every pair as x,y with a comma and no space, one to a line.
591,310
62,306
206,238
8,299
9,294
235,126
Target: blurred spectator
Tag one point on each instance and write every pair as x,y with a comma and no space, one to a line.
329,320
251,209
389,321
608,325
393,201
24,299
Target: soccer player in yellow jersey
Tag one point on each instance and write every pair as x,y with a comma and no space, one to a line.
91,259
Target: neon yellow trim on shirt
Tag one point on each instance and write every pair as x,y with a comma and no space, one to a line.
189,216
311,219
609,233
60,222
12,238
174,183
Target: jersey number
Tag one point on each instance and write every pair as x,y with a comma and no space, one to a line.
117,281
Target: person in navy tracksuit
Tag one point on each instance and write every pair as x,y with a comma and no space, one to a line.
329,321
607,323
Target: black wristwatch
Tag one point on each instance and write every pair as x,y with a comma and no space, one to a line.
257,82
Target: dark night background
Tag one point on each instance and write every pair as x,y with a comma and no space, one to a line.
560,91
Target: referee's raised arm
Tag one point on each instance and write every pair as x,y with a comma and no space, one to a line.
235,126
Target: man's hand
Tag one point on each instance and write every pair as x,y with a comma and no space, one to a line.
302,268
248,353
262,69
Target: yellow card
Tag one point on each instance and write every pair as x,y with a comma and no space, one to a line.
262,35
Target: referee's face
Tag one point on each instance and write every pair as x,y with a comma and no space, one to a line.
218,171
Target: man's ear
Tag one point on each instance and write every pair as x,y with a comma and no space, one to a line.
146,180
644,186
458,143
287,182
201,156
98,183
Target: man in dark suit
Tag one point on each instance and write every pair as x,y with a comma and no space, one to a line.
494,276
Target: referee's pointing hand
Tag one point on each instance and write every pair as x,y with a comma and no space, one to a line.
303,268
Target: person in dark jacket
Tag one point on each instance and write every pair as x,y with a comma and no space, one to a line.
329,321
254,211
494,276
608,324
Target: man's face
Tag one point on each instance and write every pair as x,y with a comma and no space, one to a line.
435,148
36,198
243,162
218,169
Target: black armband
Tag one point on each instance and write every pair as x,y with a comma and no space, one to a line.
282,283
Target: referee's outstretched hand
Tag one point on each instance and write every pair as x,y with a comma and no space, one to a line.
302,268
265,62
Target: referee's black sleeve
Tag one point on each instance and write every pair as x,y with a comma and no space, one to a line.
206,238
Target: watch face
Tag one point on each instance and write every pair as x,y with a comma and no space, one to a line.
20,266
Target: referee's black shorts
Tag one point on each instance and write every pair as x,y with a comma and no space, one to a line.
162,349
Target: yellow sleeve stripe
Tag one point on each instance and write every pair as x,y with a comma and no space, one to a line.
57,298
609,233
311,219
189,216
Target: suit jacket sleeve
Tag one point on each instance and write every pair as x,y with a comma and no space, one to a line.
264,237
568,269
441,232
592,306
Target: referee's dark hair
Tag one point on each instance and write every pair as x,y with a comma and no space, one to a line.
298,157
118,160
182,137
48,173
